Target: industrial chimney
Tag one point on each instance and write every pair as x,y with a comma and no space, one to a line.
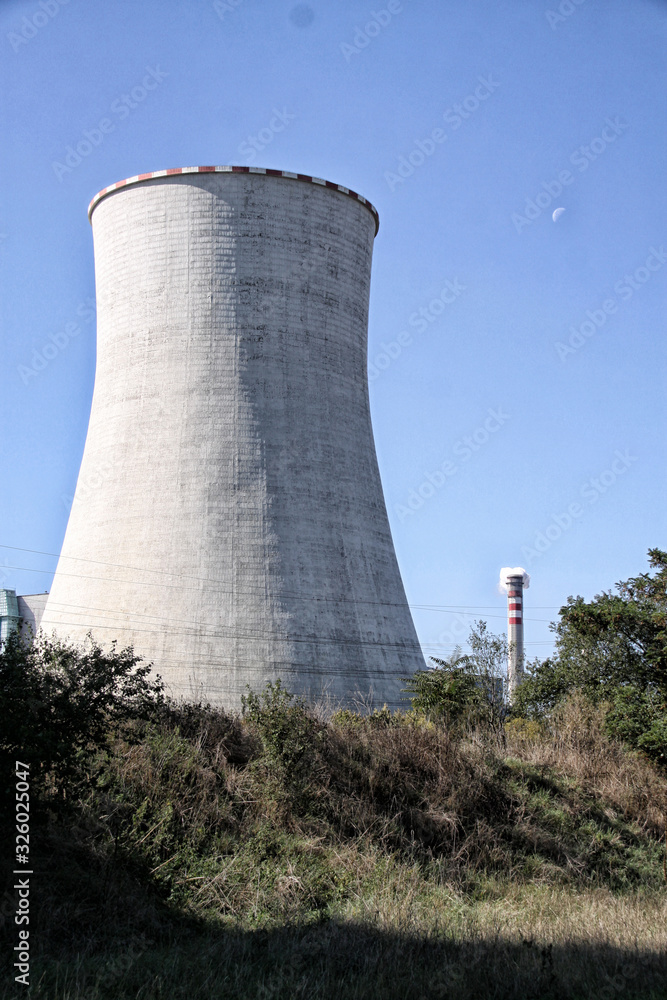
513,581
229,520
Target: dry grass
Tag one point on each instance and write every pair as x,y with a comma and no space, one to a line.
539,944
285,856
578,748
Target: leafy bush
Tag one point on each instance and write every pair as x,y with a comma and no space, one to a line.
451,694
639,717
59,703
465,689
524,730
287,730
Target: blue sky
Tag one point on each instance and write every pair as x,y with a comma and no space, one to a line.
516,363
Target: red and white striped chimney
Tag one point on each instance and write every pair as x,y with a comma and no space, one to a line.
514,581
514,633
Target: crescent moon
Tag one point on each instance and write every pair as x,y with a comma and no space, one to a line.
557,214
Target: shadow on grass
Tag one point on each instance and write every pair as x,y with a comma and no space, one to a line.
350,961
99,932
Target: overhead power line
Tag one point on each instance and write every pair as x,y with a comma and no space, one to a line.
446,609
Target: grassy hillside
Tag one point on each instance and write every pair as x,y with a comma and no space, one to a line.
204,855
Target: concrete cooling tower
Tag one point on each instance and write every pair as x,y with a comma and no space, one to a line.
229,521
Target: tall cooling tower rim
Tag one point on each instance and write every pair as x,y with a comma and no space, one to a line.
288,175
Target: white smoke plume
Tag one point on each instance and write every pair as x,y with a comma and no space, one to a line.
508,571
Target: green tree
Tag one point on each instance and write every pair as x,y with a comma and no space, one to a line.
614,649
465,688
448,691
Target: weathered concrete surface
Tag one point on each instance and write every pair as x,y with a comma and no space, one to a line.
229,520
31,610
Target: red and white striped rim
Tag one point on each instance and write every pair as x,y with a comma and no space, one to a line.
234,170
